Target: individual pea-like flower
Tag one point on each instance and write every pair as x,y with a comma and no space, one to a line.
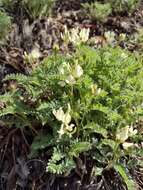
124,55
66,35
70,80
132,131
70,127
59,114
74,36
127,145
122,37
78,71
84,34
99,91
35,53
95,90
61,70
61,83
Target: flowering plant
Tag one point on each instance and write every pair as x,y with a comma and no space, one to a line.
89,101
76,36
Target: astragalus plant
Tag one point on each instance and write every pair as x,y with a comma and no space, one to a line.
98,11
89,101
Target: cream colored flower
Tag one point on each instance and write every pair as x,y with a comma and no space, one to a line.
67,118
66,35
70,80
61,70
124,55
110,37
77,36
64,68
84,34
122,37
32,58
71,73
93,89
35,53
132,132
99,91
78,71
59,114
122,134
74,37
61,83
127,145
70,127
66,127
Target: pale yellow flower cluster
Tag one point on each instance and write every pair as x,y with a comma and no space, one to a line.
72,73
76,36
30,58
110,37
65,118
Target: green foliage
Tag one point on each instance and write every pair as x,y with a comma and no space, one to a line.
101,10
5,24
124,6
130,183
136,39
38,8
59,163
98,11
34,8
8,3
88,101
41,142
78,147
